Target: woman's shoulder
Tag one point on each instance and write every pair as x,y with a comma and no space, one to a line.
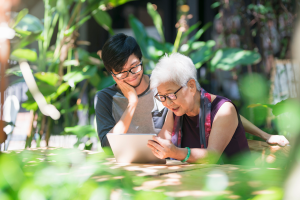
221,105
216,99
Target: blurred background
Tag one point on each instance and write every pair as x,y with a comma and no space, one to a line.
50,72
241,49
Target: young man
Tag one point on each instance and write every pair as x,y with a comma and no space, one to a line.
129,105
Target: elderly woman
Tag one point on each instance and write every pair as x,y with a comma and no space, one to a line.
200,122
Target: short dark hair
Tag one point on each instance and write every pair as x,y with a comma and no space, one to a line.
117,50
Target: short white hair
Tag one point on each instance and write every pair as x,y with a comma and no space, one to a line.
176,68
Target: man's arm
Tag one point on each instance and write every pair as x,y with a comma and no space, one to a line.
129,92
270,139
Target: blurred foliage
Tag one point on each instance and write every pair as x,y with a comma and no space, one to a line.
64,70
73,174
200,52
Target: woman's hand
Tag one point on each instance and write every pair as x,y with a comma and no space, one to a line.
277,139
162,148
128,91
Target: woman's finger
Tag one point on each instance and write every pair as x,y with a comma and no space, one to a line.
156,145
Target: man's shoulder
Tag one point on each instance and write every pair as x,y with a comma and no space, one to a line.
106,92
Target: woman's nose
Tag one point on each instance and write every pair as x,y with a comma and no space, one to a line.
168,102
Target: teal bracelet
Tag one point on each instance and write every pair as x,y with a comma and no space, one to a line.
188,155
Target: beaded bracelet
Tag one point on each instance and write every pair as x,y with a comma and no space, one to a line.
188,155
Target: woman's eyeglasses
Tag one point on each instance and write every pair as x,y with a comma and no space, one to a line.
163,98
125,74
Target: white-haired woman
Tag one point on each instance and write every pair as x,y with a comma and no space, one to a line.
197,122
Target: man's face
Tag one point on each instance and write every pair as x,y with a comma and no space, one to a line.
133,80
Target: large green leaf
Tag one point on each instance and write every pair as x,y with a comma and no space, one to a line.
204,53
21,54
20,16
228,58
103,20
156,20
154,48
95,80
30,23
105,81
140,34
285,106
46,89
80,75
47,77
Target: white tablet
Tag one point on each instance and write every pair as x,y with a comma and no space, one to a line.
132,148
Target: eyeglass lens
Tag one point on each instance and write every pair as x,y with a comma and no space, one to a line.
133,70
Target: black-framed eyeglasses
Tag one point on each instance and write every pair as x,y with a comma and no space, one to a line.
171,96
125,74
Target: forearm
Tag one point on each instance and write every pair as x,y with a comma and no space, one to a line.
253,130
123,124
196,154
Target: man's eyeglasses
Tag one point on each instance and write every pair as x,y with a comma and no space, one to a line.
125,74
163,98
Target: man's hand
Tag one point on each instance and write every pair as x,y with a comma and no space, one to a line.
277,139
161,148
128,91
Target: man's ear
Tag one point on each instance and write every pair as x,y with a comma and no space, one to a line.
99,53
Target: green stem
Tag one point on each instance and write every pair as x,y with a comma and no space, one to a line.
177,41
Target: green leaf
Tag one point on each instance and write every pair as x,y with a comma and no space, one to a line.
80,75
26,39
154,48
199,33
103,20
215,5
30,104
62,6
81,131
20,16
228,58
76,26
30,23
21,54
62,88
140,35
259,104
168,47
46,89
204,53
105,81
156,20
185,34
115,3
95,80
291,105
47,77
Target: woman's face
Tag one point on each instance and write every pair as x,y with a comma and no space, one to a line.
185,98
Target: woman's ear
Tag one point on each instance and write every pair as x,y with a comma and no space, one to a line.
192,86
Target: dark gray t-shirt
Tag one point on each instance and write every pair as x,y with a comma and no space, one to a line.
110,105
